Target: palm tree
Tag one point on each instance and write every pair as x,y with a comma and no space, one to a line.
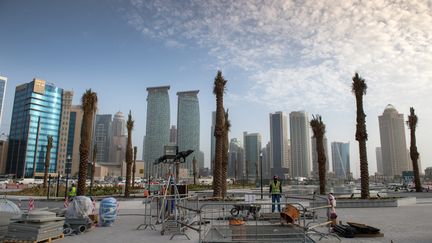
194,170
412,124
129,126
89,105
47,160
318,129
359,89
219,90
93,165
135,150
226,130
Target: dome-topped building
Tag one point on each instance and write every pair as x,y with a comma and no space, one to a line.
393,142
119,124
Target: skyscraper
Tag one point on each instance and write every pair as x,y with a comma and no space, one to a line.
102,137
173,135
235,159
379,162
64,128
341,159
3,82
315,156
36,115
118,139
157,127
393,142
267,173
212,141
188,125
74,140
278,143
119,124
252,150
300,144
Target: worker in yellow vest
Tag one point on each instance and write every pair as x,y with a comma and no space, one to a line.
276,191
72,191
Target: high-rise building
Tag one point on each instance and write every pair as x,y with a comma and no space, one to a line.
119,124
3,155
143,148
379,162
188,125
267,172
3,82
315,156
36,115
64,131
212,141
118,139
252,150
157,128
341,159
278,143
300,144
235,159
102,137
74,140
393,142
173,135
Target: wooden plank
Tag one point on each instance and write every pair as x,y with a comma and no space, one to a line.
51,239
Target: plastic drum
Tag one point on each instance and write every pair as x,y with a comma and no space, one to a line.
107,211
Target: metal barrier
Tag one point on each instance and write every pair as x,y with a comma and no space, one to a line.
175,213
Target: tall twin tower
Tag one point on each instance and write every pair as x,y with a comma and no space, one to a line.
158,128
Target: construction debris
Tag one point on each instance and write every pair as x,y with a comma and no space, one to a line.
352,230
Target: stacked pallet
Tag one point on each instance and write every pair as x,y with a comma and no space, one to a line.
36,226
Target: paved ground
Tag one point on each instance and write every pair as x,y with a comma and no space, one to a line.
401,224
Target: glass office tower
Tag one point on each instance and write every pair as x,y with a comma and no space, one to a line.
3,81
36,115
188,126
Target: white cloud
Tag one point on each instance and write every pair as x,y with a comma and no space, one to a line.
304,51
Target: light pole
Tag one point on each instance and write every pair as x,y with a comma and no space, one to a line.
261,176
68,165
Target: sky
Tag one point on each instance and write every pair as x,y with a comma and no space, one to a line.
276,55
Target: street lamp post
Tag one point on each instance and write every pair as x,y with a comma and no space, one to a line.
261,175
68,165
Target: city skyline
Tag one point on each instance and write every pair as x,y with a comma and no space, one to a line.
284,56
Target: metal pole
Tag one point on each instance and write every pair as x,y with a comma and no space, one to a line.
49,186
58,184
261,175
68,159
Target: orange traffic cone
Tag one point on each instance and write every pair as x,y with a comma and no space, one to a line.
146,193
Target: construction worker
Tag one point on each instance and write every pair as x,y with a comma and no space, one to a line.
275,191
72,191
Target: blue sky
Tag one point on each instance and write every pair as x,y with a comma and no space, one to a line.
276,55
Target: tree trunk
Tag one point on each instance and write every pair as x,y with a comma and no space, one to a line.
134,166
224,163
321,163
128,165
47,161
217,173
414,158
194,170
361,137
86,135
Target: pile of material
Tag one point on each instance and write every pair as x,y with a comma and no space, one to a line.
352,230
35,226
77,216
8,210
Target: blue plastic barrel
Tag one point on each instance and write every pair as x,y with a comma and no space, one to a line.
107,211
